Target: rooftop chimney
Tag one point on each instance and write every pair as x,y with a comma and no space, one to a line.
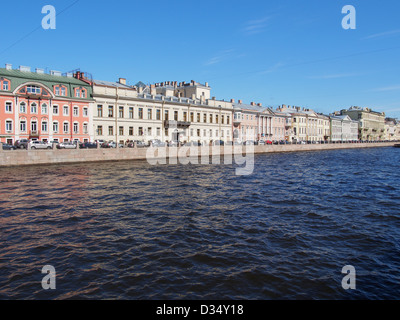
24,69
232,100
122,81
8,66
253,103
240,101
260,104
207,84
39,71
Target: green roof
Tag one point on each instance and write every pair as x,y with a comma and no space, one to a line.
18,78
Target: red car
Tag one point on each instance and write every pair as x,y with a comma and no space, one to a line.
268,142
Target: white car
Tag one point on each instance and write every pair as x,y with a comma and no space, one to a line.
40,145
66,145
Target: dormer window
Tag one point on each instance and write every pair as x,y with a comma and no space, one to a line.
4,84
33,89
80,93
60,90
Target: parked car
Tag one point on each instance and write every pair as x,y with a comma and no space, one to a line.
22,144
269,142
173,144
193,144
157,143
219,143
88,145
249,142
7,146
261,143
66,145
40,145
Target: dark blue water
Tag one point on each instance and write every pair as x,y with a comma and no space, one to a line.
128,230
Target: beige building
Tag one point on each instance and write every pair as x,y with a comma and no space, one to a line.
165,111
306,124
371,124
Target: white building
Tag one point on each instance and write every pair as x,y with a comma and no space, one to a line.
165,111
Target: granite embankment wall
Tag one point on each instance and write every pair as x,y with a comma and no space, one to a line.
38,157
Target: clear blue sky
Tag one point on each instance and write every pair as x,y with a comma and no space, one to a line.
274,52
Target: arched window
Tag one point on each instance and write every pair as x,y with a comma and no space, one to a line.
33,108
22,107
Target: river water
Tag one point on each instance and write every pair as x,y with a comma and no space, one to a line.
129,230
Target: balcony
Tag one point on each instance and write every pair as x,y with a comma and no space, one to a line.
177,124
34,133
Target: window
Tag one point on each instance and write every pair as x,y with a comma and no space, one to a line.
211,118
198,117
6,85
100,130
140,131
33,108
198,132
191,117
66,127
149,131
76,127
65,110
83,93
55,127
217,118
176,115
99,110
85,112
185,116
85,128
166,115
121,131
166,132
55,110
130,112
33,89
222,119
158,132
205,118
22,107
131,131
140,113
158,114
9,126
44,126
80,93
149,114
22,126
8,107
34,126
76,111
121,112
110,111
60,91
44,108
110,130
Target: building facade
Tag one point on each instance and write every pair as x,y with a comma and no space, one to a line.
44,107
305,125
343,128
168,111
371,124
